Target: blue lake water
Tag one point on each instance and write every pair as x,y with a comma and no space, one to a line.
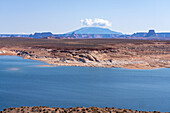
24,83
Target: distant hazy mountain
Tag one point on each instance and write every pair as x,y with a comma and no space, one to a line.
39,35
94,30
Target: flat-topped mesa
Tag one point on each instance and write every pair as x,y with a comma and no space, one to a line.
40,35
151,33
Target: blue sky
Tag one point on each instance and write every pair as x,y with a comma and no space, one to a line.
60,16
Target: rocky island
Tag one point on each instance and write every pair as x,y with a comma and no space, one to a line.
119,53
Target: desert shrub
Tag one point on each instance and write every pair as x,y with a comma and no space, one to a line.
53,111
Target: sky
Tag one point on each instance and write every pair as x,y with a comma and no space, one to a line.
61,16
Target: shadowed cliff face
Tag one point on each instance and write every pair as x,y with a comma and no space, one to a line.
135,54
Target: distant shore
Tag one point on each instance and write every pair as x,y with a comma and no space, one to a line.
128,64
51,64
131,54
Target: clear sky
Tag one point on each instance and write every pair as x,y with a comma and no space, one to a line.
60,16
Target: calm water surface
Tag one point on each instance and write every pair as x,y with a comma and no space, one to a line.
23,83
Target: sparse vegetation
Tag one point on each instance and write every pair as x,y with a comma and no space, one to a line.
135,54
74,110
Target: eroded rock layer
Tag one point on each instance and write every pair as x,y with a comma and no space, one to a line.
134,54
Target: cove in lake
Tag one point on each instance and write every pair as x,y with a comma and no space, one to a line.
24,83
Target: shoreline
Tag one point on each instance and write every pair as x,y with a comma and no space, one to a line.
44,109
49,64
52,65
108,53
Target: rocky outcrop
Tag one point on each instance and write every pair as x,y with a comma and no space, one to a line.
128,57
134,54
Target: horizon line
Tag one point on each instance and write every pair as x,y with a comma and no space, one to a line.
73,31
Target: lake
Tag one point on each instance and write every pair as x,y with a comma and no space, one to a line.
24,83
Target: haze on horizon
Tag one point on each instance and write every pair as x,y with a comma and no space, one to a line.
61,16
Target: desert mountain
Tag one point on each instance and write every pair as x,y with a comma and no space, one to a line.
94,30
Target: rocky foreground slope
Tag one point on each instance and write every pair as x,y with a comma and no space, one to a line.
133,54
43,109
